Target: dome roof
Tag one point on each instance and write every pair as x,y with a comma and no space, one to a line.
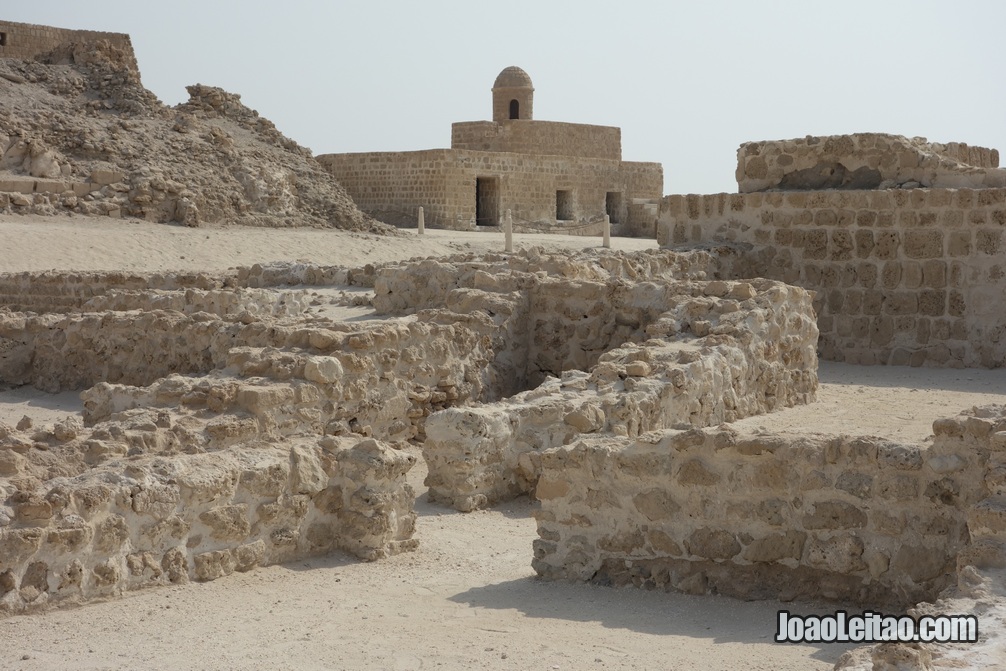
512,77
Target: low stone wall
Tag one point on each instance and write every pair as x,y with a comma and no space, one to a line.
865,161
902,277
159,521
656,355
777,516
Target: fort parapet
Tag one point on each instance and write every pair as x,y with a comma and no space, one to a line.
903,276
26,41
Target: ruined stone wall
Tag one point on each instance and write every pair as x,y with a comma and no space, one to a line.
865,161
905,276
443,363
61,292
655,354
777,516
159,521
26,41
391,186
548,138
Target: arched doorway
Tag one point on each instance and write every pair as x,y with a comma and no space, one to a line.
514,109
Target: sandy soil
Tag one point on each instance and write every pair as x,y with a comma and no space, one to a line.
467,598
85,243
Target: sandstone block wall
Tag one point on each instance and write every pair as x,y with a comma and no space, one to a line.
865,161
902,276
158,521
777,516
551,138
26,41
391,186
632,356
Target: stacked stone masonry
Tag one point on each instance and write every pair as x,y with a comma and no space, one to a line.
604,355
551,138
763,515
26,41
215,437
865,161
225,427
550,175
904,276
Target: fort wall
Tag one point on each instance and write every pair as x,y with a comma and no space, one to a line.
551,138
903,276
777,516
26,41
865,161
391,186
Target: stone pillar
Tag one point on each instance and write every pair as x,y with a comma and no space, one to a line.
508,231
422,221
607,232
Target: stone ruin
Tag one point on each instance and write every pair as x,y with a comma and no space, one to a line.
230,421
80,135
227,426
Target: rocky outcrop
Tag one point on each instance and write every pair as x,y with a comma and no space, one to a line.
80,134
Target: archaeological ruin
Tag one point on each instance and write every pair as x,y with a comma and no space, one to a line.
238,419
551,175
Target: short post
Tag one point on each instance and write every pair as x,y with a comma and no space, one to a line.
607,232
508,231
422,221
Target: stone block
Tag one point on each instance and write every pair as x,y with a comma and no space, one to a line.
106,177
924,244
772,548
988,241
712,544
834,515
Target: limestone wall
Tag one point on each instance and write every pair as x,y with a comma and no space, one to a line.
26,41
628,356
391,186
865,161
548,138
157,521
777,516
902,276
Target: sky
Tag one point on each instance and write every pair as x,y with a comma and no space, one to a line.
687,82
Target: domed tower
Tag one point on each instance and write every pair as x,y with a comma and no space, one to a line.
513,95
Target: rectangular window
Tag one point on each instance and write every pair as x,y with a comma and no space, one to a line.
613,206
563,205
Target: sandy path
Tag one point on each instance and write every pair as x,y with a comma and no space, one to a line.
87,243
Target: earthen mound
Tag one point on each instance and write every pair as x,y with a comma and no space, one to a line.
80,133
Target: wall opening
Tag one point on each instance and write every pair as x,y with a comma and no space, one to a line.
613,206
563,205
487,201
3,39
514,109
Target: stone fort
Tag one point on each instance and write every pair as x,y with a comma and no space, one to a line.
549,174
25,41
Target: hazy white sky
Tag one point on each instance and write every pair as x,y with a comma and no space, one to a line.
686,81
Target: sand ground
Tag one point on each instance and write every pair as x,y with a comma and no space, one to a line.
467,598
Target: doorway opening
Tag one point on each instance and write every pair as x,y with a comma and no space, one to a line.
514,109
487,201
563,205
613,206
